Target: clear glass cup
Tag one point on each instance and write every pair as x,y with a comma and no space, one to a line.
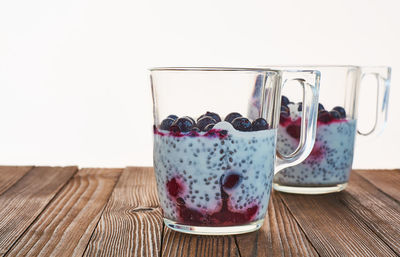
213,167
327,168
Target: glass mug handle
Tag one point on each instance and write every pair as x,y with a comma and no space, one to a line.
382,75
310,83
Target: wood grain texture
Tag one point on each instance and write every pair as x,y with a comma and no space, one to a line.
65,226
131,224
180,244
26,199
10,175
54,211
280,235
377,210
332,228
387,181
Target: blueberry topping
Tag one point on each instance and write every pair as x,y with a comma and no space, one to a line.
209,127
172,116
259,124
184,124
212,115
175,129
324,116
335,115
231,116
190,118
284,116
180,201
300,106
241,124
341,111
320,107
166,123
194,132
285,109
284,100
195,129
204,121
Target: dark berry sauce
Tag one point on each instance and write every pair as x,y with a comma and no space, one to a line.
293,129
223,217
213,133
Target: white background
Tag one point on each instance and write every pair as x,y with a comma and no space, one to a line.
74,83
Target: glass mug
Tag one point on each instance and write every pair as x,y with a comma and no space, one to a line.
327,168
214,168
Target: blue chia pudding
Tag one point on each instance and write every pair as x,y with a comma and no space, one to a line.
211,172
331,159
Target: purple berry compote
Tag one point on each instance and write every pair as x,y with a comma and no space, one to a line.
330,161
213,172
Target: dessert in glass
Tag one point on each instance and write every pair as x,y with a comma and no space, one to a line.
327,169
214,166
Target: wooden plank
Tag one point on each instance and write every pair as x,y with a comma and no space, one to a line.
332,228
388,181
180,244
280,235
10,175
65,226
131,224
25,200
378,211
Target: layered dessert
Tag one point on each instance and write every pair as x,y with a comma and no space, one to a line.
211,172
330,161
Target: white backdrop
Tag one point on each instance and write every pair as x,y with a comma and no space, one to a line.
74,83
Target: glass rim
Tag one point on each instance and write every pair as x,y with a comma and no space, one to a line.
194,68
317,66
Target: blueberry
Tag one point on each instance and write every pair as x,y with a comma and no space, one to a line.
320,107
241,124
172,116
285,113
212,115
194,132
175,129
285,109
231,116
166,123
190,118
300,106
204,121
184,124
324,116
341,111
195,129
335,115
284,100
284,116
209,127
180,201
259,124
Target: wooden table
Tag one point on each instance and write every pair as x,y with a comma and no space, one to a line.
64,211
